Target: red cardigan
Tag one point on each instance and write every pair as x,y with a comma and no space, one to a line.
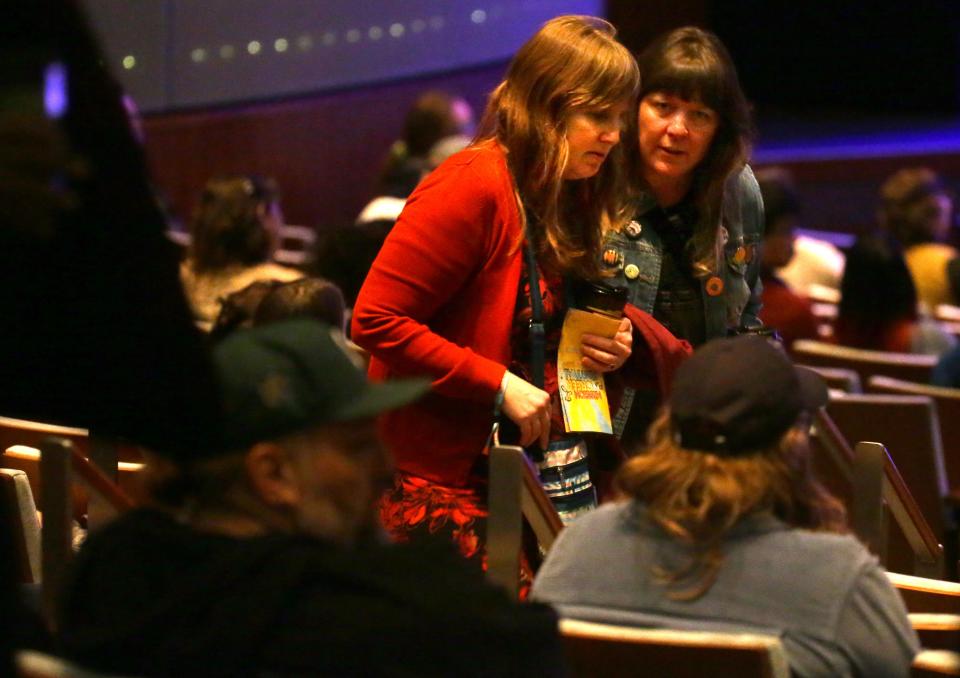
439,301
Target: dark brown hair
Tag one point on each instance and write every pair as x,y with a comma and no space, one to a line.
227,226
877,296
572,63
269,301
698,497
693,64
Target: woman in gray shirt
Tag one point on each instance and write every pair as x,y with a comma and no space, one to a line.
725,528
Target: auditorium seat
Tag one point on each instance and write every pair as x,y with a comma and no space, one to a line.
24,527
32,664
947,402
608,651
907,366
935,663
907,425
882,511
921,594
515,498
839,379
937,631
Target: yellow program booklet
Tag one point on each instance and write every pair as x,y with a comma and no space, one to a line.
583,393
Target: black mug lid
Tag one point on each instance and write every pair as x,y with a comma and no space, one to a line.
600,297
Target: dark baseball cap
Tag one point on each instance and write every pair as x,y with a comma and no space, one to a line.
739,395
288,377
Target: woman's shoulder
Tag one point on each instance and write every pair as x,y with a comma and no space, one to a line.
599,526
748,189
472,182
815,555
743,204
485,159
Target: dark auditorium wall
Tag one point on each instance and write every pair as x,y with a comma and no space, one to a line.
324,150
885,57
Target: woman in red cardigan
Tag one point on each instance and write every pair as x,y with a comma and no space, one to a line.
449,294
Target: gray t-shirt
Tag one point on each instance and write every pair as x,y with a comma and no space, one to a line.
824,595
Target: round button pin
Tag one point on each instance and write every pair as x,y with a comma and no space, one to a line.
632,271
714,286
634,229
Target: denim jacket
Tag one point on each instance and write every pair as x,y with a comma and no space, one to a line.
634,254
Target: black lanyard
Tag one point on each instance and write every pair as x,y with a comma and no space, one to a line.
537,330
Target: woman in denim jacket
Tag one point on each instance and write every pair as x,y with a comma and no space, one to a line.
690,256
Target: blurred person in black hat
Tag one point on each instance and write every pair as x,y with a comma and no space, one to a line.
263,555
724,528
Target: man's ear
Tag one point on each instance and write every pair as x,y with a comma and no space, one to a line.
272,476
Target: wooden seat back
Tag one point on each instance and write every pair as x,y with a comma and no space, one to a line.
907,366
882,511
515,496
935,663
839,378
937,631
23,526
921,594
608,651
947,401
908,427
32,664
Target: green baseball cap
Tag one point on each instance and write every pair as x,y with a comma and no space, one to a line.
287,377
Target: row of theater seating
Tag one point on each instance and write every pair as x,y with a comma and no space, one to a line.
919,424
908,539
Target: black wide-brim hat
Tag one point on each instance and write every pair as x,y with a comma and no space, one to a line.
741,394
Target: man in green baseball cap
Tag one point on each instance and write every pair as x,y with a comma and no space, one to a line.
263,554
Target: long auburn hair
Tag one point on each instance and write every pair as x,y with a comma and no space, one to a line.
571,63
693,64
227,226
698,497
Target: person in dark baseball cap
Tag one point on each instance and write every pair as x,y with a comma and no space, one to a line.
736,396
262,554
724,527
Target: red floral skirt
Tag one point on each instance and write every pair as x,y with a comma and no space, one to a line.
417,508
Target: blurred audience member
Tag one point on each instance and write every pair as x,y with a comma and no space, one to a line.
344,255
263,555
305,298
234,232
238,308
446,147
726,529
436,126
816,265
99,334
782,308
917,209
270,301
947,370
878,303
